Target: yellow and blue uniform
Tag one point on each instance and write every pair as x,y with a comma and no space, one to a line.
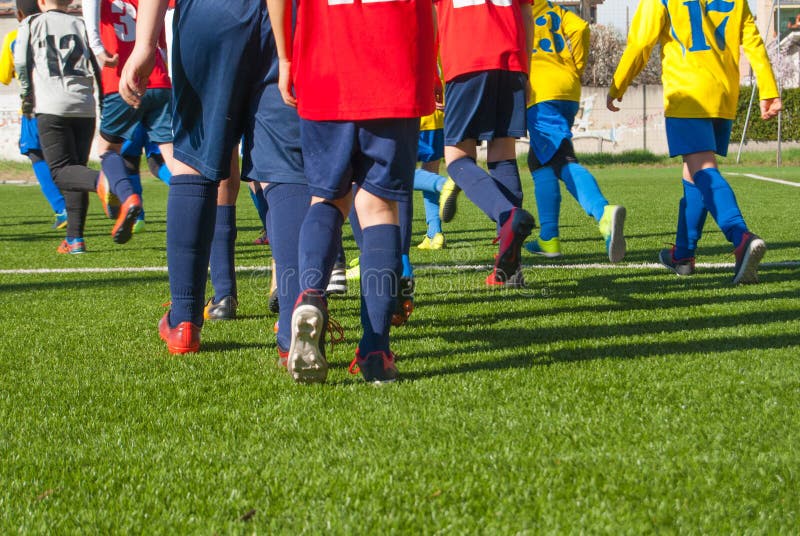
700,43
431,137
29,137
558,58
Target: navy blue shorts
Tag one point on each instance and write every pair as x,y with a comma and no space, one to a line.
549,124
119,120
29,136
688,136
379,155
271,143
484,105
431,145
221,63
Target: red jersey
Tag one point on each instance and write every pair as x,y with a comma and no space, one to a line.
363,59
481,35
118,34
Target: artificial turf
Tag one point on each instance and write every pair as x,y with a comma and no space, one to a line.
597,400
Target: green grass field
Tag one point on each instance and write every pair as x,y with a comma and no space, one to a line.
619,400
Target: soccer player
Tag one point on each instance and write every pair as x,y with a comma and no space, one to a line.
131,152
214,44
359,99
485,59
59,89
430,152
29,135
558,57
111,28
700,43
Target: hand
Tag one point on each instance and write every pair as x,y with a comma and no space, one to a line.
136,74
27,108
771,107
610,103
108,61
285,82
438,95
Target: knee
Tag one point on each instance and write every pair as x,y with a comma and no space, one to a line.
565,154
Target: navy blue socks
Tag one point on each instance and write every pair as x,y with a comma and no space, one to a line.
223,268
480,188
380,266
113,166
320,236
191,216
260,202
718,198
288,204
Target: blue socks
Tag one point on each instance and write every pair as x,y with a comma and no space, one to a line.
583,187
223,267
480,188
380,265
261,206
320,237
691,219
113,166
548,201
408,269
288,206
425,181
506,175
191,215
136,184
430,184
718,198
430,201
46,183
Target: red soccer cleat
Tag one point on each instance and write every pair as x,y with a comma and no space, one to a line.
182,339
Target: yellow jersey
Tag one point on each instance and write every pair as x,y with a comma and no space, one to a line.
435,121
700,42
7,58
558,57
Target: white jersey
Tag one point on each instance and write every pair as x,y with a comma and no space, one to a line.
55,64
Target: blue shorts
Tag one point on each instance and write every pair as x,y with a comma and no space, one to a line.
271,143
484,105
379,155
139,141
29,136
549,124
223,56
688,136
431,145
119,120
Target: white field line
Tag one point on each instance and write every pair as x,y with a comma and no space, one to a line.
767,179
417,268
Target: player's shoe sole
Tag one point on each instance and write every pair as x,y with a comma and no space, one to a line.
108,200
306,362
128,214
612,225
515,230
748,257
448,201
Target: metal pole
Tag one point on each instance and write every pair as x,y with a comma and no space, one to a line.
779,156
644,116
754,85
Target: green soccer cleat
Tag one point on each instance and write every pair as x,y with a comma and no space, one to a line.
437,242
550,249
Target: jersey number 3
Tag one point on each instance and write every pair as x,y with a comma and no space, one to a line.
126,27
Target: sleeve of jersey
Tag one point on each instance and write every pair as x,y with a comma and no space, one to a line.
756,54
646,27
576,31
7,61
21,59
91,16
